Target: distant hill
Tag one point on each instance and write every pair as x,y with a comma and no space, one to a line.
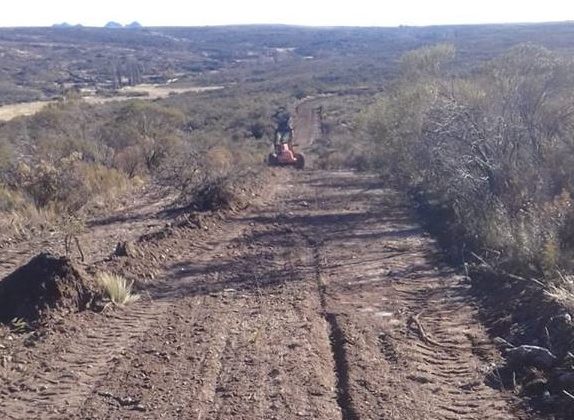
95,56
116,25
113,25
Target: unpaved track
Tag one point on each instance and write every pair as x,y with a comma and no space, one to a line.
306,315
405,331
324,301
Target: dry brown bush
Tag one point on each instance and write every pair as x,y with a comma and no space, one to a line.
491,149
72,155
215,193
208,180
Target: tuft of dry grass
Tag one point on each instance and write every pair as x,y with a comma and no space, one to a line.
117,288
563,292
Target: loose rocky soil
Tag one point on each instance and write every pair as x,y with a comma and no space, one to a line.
322,300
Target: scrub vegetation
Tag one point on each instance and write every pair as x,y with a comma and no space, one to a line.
487,153
154,141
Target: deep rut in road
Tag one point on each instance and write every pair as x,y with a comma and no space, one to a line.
336,337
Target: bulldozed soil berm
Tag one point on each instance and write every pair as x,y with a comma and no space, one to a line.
44,285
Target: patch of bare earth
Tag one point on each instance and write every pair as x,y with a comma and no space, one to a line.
404,327
49,373
326,303
135,215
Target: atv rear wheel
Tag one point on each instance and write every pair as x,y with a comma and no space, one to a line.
272,160
299,161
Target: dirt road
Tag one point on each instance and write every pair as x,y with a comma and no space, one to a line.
324,300
148,93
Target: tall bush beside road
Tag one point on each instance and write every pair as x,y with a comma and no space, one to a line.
492,149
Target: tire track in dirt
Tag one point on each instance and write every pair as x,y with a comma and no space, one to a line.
67,377
278,364
257,348
407,326
52,377
308,314
307,130
62,380
336,336
338,348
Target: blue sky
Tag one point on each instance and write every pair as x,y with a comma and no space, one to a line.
300,12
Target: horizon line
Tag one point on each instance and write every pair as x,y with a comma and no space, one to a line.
293,25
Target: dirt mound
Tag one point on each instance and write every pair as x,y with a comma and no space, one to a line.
45,284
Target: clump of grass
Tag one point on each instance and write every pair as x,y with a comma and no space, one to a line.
563,292
19,325
117,288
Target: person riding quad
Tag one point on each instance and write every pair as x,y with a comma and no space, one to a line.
284,153
284,130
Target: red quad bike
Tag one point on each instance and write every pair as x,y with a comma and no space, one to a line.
284,153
